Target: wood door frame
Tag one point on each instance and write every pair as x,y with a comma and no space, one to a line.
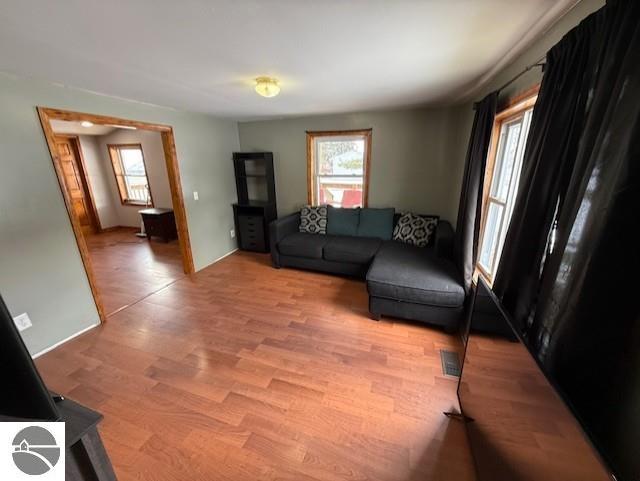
313,134
86,182
171,159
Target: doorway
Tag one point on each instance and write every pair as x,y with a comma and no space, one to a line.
113,173
74,179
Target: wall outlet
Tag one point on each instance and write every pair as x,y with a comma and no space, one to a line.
22,321
232,233
195,195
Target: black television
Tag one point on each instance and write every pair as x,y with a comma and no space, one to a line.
520,423
24,394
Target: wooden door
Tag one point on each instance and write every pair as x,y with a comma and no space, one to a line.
75,183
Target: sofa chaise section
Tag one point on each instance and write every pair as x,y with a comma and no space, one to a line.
415,283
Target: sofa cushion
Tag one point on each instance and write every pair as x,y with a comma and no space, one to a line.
415,229
301,244
343,221
356,250
376,223
412,274
313,220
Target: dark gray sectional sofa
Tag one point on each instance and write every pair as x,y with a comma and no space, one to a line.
418,283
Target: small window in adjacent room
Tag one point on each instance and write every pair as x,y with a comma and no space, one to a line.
131,175
338,167
502,176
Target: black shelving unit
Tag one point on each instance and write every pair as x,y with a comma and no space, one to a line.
256,206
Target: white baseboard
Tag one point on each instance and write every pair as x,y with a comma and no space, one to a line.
59,343
221,257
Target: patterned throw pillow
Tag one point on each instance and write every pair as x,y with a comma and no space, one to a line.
313,220
414,229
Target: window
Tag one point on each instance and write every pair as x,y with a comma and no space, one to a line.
502,176
131,175
338,167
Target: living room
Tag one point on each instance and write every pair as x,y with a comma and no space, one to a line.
389,220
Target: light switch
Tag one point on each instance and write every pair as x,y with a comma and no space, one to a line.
22,321
195,195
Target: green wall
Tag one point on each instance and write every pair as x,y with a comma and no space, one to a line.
410,157
40,267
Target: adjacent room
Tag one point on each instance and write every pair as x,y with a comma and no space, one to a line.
116,179
320,241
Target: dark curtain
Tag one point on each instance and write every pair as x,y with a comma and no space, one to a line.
469,210
556,126
583,313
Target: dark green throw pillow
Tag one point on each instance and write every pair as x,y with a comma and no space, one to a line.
343,221
376,223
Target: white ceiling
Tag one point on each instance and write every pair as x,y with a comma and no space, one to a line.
330,55
75,128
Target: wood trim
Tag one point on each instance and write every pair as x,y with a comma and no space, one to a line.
168,142
488,174
71,116
310,163
520,102
481,272
177,199
114,149
75,222
312,134
367,168
515,109
524,95
85,178
337,133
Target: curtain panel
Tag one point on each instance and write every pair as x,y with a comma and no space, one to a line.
552,145
577,305
470,207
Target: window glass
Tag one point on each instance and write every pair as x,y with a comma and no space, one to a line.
132,162
490,240
506,160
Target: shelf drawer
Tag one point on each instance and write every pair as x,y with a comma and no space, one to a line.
253,245
252,240
256,235
253,221
251,226
252,235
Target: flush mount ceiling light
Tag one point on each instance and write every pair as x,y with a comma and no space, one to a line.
86,123
267,86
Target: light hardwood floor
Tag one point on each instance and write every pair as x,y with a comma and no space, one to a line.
245,372
128,268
